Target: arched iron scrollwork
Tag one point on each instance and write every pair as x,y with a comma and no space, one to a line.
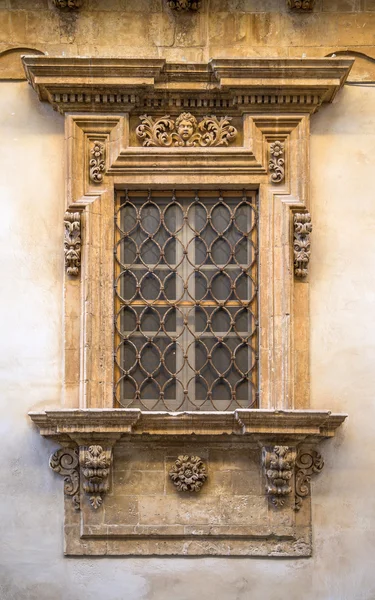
186,296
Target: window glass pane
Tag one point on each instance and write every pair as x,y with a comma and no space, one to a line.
186,300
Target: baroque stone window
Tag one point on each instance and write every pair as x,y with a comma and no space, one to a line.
185,426
186,300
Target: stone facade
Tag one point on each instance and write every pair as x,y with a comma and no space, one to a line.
341,334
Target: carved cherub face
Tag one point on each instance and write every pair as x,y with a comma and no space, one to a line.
186,125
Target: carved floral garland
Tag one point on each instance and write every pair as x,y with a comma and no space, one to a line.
276,163
186,131
188,473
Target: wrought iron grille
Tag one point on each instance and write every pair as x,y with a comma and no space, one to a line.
186,300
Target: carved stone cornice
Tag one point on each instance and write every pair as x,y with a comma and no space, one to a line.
233,85
258,424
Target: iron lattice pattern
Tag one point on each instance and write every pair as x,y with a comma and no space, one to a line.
186,300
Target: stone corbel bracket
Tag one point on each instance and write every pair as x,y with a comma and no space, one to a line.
302,228
86,464
278,463
95,463
72,242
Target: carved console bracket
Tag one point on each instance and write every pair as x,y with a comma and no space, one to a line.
72,242
65,462
302,229
188,473
278,463
96,463
308,462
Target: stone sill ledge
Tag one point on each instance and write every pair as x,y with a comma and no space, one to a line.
260,424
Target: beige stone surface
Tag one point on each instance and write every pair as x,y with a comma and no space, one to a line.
342,308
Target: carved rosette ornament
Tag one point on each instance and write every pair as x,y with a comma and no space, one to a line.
96,463
97,162
70,4
188,473
65,462
302,229
278,464
186,131
184,5
301,5
308,462
72,242
277,162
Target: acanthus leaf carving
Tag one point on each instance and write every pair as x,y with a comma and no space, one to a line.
186,131
301,243
188,473
95,463
308,462
278,463
97,162
65,462
277,163
184,5
70,4
72,242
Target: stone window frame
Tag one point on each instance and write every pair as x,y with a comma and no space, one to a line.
270,101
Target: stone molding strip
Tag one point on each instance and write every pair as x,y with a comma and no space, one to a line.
287,425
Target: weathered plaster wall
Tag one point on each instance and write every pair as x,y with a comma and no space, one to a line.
222,28
32,566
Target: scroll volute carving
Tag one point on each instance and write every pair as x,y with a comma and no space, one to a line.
65,462
185,130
